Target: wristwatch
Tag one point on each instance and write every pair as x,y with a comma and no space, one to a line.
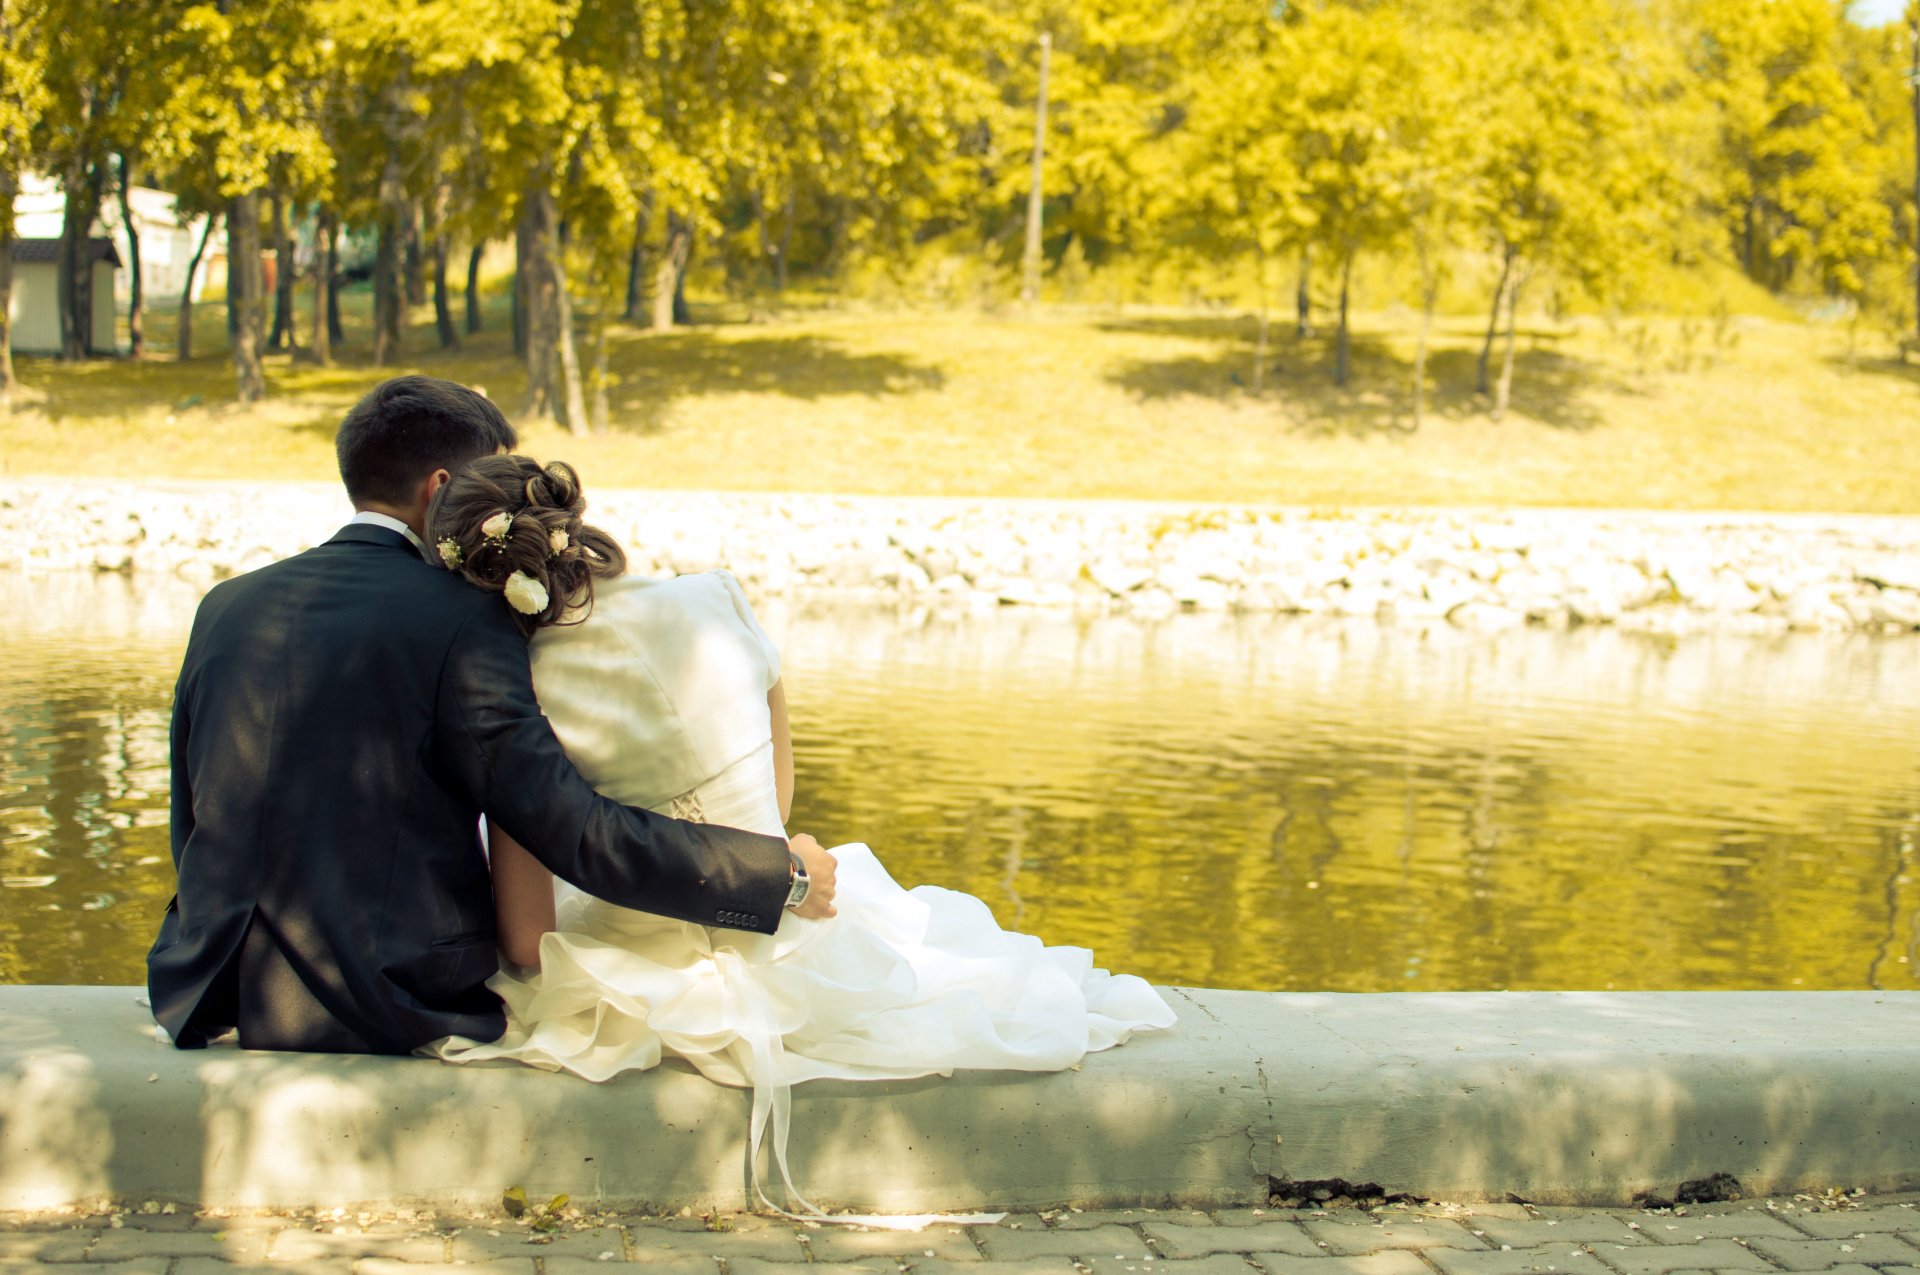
801,882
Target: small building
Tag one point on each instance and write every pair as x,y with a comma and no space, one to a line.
167,240
35,307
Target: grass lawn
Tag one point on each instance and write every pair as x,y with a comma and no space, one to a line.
1754,414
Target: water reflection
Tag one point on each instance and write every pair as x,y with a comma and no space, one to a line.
1228,802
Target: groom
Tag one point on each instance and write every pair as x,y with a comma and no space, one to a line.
343,719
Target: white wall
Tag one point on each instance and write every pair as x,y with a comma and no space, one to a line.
36,308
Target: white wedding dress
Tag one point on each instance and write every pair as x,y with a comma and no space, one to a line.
660,698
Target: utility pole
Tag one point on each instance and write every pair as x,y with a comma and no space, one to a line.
1030,264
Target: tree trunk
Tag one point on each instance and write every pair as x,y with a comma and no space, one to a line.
522,284
243,222
1504,390
336,331
183,345
83,190
442,306
9,184
636,286
473,286
575,400
540,307
1343,343
322,286
669,278
602,420
285,328
1303,297
780,262
389,285
1480,383
637,262
1429,298
136,304
1030,259
416,256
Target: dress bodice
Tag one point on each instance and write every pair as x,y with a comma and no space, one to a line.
660,698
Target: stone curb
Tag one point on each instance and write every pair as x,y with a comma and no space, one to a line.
1554,1097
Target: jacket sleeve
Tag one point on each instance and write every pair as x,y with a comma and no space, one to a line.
504,752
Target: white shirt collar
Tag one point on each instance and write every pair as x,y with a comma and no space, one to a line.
391,524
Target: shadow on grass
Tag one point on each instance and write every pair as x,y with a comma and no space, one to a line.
1548,386
657,370
1893,366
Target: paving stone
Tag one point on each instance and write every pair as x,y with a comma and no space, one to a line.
1070,1221
1048,1265
1392,1262
655,1265
21,1247
1260,1217
395,1266
1663,1259
1345,1238
480,1245
1565,1259
1747,1224
1101,1241
1566,1228
1218,1264
843,1244
175,1221
1269,1237
117,1246
137,1266
1018,1222
877,1265
1511,1212
1837,1223
307,1246
779,1243
1820,1255
214,1266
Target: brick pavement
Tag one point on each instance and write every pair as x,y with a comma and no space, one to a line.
1874,1236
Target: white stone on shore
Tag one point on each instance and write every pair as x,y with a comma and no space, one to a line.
1658,572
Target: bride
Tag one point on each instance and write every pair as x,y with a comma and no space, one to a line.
667,694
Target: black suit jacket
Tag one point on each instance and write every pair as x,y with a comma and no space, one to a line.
342,720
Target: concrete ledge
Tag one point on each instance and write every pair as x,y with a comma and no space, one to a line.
1576,1098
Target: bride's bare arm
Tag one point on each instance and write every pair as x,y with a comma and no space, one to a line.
782,749
522,898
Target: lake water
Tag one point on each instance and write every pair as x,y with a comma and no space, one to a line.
1210,800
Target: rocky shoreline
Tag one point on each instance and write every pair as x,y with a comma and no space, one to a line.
1482,569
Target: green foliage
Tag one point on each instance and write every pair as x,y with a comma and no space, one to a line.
1594,144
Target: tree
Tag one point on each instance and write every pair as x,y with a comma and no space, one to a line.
1799,183
242,108
1575,162
1241,197
22,98
100,99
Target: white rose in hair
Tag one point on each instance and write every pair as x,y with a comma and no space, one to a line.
496,527
526,594
557,540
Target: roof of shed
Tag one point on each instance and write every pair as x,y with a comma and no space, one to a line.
47,251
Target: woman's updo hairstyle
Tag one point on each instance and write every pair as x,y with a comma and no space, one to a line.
506,516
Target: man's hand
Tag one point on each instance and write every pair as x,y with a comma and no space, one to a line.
820,867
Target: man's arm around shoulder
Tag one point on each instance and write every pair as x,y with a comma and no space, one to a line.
503,750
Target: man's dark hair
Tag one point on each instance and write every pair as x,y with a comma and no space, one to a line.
406,428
